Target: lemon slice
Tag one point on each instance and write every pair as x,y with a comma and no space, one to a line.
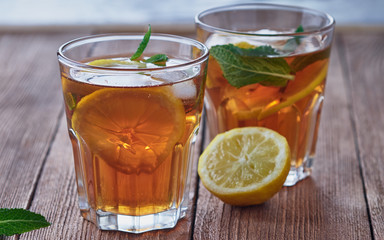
245,166
116,63
132,130
267,101
294,95
244,45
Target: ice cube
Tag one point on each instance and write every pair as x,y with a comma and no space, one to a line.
131,80
221,39
170,76
184,90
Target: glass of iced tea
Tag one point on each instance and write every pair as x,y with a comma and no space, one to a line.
133,124
268,67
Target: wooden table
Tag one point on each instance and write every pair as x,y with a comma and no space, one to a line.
343,199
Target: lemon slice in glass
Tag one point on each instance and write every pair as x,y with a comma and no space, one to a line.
116,63
245,166
295,91
132,130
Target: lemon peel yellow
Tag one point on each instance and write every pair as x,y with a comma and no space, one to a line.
245,166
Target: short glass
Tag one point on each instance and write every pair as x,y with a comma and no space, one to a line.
267,67
133,128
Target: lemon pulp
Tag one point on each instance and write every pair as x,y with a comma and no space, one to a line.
245,166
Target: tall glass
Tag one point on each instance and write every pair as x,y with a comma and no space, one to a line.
133,127
267,67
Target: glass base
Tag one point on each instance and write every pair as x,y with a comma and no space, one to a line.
134,224
297,174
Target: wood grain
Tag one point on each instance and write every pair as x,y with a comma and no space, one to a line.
364,55
30,104
328,205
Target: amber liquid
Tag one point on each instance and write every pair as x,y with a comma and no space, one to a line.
129,182
292,110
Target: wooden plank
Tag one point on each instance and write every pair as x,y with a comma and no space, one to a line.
328,205
365,56
30,103
56,198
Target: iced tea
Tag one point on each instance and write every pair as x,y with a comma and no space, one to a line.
292,110
132,126
267,67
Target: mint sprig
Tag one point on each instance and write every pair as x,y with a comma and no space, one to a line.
157,58
242,67
18,221
143,44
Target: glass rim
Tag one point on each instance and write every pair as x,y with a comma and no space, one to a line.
256,6
132,36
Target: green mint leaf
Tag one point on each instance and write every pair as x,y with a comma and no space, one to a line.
18,221
292,43
261,51
142,45
157,58
299,29
243,69
299,63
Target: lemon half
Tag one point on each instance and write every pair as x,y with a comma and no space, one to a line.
245,166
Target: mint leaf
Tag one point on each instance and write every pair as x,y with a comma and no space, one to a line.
299,29
299,63
242,67
157,58
142,45
292,43
261,51
17,221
